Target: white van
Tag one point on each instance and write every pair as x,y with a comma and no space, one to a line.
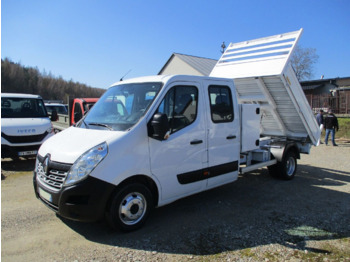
59,108
25,125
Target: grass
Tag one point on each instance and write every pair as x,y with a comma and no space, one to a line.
344,128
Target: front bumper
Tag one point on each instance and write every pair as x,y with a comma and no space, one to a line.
85,201
17,151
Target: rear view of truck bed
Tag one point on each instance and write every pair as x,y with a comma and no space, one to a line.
263,75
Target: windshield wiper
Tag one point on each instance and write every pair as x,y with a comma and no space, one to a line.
99,124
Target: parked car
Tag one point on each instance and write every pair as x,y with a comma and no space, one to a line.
60,108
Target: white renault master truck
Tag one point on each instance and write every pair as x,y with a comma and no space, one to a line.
150,141
25,125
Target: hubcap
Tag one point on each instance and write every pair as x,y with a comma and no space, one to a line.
132,208
290,166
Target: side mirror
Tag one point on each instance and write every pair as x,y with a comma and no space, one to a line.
54,116
160,127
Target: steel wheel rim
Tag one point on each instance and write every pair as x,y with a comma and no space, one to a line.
290,166
132,208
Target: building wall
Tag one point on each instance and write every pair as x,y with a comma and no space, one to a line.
178,67
325,89
343,82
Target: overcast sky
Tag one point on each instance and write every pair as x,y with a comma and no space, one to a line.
96,42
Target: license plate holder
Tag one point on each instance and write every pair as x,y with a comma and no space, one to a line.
27,153
45,195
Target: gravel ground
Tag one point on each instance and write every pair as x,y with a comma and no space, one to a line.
257,218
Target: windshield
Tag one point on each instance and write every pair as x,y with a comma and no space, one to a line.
60,109
13,107
121,106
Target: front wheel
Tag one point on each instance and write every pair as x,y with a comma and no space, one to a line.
285,169
130,207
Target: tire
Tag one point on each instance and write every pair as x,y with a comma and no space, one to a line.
285,169
130,207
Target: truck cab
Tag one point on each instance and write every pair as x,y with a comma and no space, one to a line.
195,147
78,107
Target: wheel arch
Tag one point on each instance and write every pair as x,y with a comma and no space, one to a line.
142,179
279,150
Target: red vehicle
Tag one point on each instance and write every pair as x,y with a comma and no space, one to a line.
77,108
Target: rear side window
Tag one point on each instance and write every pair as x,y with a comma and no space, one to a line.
221,106
180,106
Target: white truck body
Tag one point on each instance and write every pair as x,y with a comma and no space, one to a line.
150,141
263,75
25,125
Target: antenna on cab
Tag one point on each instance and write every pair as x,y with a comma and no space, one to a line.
121,79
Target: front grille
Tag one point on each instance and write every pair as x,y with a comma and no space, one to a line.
55,175
24,139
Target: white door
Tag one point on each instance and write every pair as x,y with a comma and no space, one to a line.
223,135
180,161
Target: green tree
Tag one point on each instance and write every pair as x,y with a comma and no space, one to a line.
16,78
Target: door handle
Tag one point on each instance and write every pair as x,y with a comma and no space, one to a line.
231,137
196,142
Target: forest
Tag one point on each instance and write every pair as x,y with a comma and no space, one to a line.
16,78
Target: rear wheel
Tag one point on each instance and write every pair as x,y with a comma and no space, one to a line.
285,169
130,207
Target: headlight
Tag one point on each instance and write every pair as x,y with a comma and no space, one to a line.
86,163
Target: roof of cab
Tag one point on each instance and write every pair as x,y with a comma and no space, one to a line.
164,78
154,78
15,95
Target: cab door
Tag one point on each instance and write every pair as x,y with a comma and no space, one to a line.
223,134
180,161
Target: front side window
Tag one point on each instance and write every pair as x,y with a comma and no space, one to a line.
121,106
180,106
221,106
13,107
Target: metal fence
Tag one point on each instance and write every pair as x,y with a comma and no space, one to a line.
339,102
